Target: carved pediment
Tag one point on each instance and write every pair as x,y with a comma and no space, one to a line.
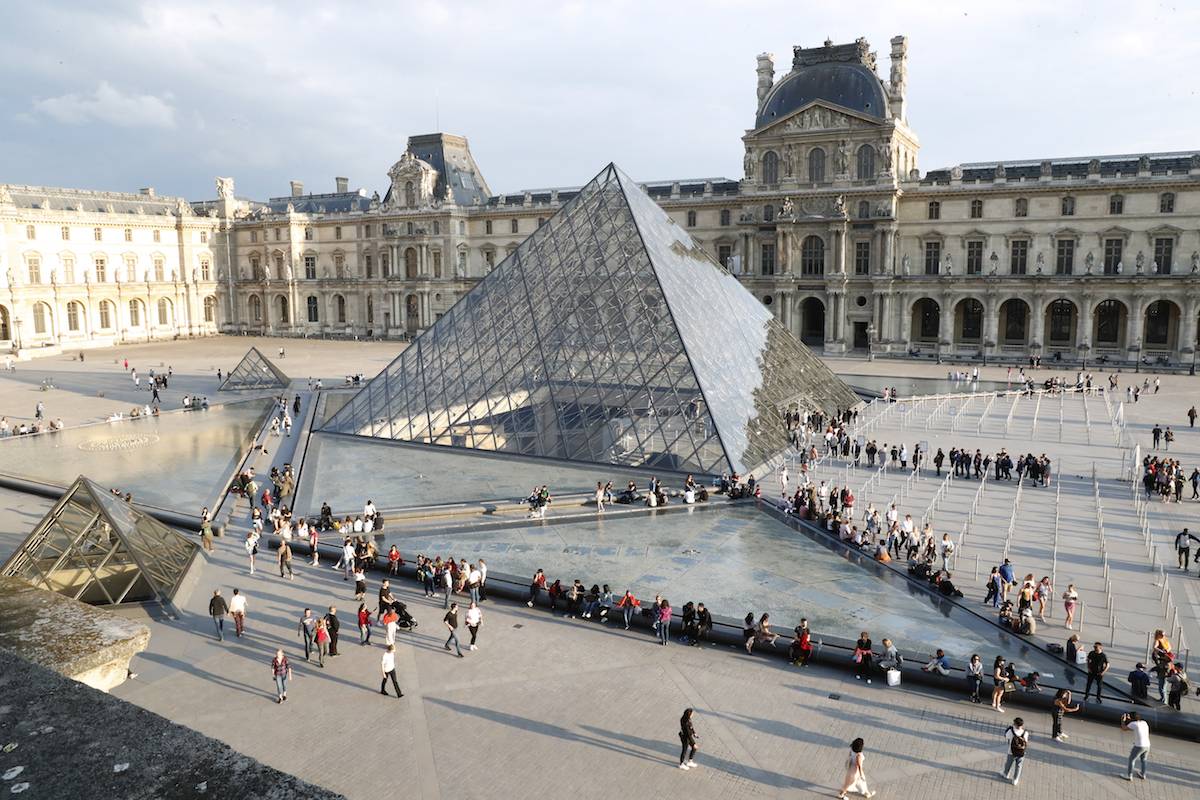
819,116
413,181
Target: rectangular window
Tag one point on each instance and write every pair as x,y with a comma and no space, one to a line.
68,264
975,258
691,219
1064,257
101,265
862,258
159,271
66,233
367,230
1164,251
310,267
1018,258
410,228
39,317
541,221
369,265
437,262
131,268
203,237
933,258
337,232
935,210
339,265
767,258
30,232
1113,249
97,234
487,227
514,226
724,252
1116,204
308,234
976,209
129,234
462,228
278,234
35,270
489,258
253,237
105,315
157,236
205,270
726,217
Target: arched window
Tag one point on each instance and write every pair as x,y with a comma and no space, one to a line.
864,209
164,311
283,312
210,309
816,165
770,167
255,308
105,315
866,163
812,256
410,194
339,304
74,316
313,312
135,313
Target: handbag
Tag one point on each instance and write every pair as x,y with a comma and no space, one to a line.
893,677
1009,686
858,654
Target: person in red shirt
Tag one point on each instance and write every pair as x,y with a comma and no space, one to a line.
364,624
394,561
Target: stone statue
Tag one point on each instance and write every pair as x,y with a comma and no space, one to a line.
789,209
1140,261
374,197
325,272
787,161
225,188
1120,267
843,157
460,269
886,147
1154,267
1195,262
1089,261
1094,166
748,165
1047,169
904,264
182,208
8,274
291,209
956,173
839,206
1144,164
1041,262
1000,173
949,264
994,261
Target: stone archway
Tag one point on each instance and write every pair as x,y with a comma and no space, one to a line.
812,322
1014,322
1111,324
412,313
1061,323
926,321
968,321
1160,327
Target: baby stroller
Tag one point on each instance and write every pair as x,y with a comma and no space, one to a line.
406,621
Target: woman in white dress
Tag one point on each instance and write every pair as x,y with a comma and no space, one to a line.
856,779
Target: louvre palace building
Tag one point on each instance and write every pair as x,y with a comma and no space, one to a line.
833,225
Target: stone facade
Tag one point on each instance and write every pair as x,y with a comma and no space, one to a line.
832,224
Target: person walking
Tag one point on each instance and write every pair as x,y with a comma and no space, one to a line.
237,610
687,741
281,670
284,557
306,629
1140,752
321,639
451,623
217,609
1018,745
332,625
862,657
856,777
1177,681
206,536
1097,665
1191,415
1062,707
364,624
1070,601
1162,655
474,617
251,545
388,667
1183,547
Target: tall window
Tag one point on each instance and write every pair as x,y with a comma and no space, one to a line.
691,219
369,265
339,265
129,234
862,258
972,320
308,234
337,231
1166,203
210,309
101,266
1018,257
1021,207
105,315
410,194
462,228
34,264
253,237
1064,256
278,234
976,209
1062,315
310,267
812,256
313,311
135,314
39,318
1164,252
487,227
816,165
866,163
514,226
97,234
1113,250
66,233
157,236
205,269
933,258
164,311
770,167
726,218
411,228
131,268
68,269
1116,204
159,269
975,257
367,230
30,232
255,303
935,210
1068,206
767,258
724,253
203,237
1158,323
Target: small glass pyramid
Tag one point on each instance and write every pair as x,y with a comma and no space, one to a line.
95,547
255,371
608,336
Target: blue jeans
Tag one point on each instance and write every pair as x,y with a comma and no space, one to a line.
453,637
664,631
1010,762
280,685
1134,755
219,622
446,597
628,615
474,594
364,634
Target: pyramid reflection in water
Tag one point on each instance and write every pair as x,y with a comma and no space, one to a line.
608,336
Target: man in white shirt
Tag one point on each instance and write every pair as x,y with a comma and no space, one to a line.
947,551
822,497
347,562
1140,729
369,510
388,666
1018,743
482,580
474,577
892,515
237,609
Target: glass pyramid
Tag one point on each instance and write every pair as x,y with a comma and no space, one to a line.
608,336
96,548
255,371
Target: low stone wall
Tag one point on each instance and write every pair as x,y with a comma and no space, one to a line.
82,642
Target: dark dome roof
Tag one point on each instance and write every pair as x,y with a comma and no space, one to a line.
852,86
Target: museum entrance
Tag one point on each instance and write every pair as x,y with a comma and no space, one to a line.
860,336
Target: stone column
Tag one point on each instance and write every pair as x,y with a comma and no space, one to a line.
1037,311
401,315
1133,328
886,267
1083,325
1187,328
905,320
946,320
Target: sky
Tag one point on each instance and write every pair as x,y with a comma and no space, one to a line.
121,94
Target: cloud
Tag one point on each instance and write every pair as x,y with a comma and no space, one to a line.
109,104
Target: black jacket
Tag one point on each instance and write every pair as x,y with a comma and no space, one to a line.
331,622
217,606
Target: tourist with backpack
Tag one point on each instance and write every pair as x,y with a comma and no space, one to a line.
1018,745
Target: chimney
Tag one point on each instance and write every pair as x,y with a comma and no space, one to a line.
148,191
343,185
297,188
766,75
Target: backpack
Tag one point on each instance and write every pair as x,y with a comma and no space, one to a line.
1017,744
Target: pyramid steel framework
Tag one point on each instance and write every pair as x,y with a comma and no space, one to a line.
255,371
95,547
607,336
